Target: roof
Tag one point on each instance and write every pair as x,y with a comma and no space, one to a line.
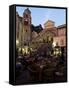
20,18
49,21
27,10
61,26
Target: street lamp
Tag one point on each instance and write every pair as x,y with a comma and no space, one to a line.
25,50
56,49
54,44
17,43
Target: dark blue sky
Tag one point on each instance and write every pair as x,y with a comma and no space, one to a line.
41,15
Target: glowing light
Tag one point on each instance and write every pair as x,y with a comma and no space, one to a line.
54,52
54,44
23,49
17,42
57,52
19,49
26,50
31,49
60,52
57,49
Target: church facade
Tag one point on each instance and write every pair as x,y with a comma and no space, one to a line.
23,29
50,33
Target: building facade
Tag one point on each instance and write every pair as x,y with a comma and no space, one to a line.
50,33
23,28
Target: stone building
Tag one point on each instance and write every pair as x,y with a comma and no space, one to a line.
51,33
23,28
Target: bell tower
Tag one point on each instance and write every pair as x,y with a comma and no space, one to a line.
27,26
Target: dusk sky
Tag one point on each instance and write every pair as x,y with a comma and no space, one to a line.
41,15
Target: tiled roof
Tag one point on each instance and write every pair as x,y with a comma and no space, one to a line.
61,26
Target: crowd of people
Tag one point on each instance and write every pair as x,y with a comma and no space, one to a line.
40,68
